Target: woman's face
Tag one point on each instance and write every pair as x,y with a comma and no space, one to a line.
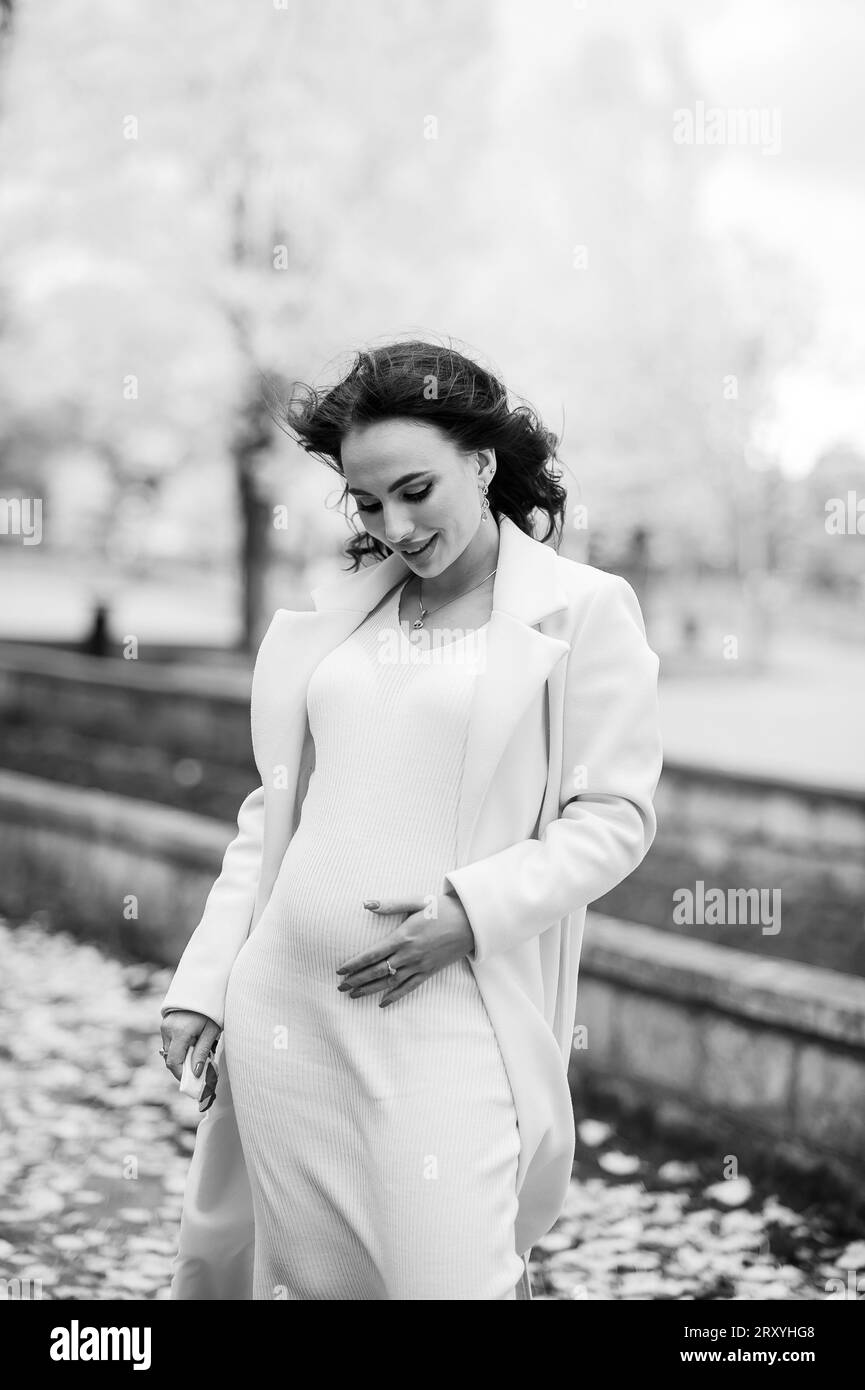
415,487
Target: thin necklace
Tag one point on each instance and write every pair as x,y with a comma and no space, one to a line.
425,612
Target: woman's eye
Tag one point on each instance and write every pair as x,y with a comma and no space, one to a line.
409,496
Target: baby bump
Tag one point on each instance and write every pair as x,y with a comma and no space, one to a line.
283,991
315,915
284,979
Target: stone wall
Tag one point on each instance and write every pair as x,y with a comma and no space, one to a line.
129,874
702,1034
181,735
714,1040
805,843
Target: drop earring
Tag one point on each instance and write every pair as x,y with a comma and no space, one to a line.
485,506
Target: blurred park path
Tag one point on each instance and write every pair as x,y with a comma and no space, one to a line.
96,1141
800,719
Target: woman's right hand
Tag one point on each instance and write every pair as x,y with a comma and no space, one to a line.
180,1030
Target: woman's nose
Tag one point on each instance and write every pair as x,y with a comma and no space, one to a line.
398,528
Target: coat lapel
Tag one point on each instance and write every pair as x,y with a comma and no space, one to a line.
519,658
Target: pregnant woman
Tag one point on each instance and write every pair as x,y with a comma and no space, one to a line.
458,752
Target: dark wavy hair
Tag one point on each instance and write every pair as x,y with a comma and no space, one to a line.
439,386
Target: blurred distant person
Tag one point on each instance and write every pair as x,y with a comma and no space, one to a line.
98,640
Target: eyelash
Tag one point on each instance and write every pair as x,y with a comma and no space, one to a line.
409,496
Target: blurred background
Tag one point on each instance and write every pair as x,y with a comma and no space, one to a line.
648,219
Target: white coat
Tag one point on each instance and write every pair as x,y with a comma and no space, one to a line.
560,632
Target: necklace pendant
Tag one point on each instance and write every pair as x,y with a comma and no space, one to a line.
418,622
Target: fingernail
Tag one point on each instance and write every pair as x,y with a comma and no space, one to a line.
372,903
197,1068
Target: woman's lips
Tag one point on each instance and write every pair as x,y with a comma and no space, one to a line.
422,553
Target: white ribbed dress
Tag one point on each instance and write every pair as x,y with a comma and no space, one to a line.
381,1144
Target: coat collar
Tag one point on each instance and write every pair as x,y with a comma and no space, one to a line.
526,584
520,657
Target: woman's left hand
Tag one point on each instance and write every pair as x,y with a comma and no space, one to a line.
435,934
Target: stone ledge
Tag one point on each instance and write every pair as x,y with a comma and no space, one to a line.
101,817
197,680
113,673
743,779
803,999
774,1046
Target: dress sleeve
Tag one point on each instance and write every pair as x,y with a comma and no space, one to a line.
201,977
611,764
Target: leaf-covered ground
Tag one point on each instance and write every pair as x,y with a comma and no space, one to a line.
95,1141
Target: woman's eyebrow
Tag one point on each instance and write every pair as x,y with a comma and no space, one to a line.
406,478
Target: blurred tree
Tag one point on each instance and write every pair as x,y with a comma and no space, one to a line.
198,203
184,226
661,344
253,436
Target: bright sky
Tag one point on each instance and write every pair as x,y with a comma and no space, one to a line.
807,62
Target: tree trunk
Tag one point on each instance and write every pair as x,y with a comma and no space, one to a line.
254,550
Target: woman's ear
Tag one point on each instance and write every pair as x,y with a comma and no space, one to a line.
486,464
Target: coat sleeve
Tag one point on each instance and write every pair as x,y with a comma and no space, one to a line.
611,763
199,983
